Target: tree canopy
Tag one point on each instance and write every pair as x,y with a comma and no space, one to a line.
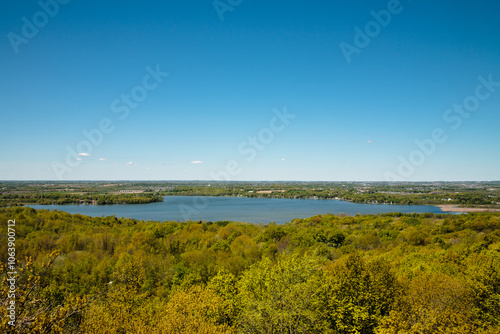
387,273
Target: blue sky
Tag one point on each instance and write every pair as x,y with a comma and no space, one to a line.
354,118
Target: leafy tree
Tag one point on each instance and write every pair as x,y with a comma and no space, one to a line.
358,294
431,303
281,297
37,310
483,278
196,310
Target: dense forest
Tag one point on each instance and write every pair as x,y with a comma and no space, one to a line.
386,273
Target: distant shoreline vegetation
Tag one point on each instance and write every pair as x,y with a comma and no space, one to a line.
63,199
360,196
482,195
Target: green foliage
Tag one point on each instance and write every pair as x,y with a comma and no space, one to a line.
39,306
483,279
281,296
431,303
63,198
359,294
389,273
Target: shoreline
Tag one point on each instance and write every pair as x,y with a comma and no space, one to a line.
455,208
452,208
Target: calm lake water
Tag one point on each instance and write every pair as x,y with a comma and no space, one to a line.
251,210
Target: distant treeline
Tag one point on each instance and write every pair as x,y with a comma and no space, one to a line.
63,198
483,194
386,273
377,196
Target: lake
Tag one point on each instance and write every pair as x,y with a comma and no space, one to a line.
251,210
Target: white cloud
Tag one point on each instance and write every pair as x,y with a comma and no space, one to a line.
79,159
369,141
103,159
196,162
83,154
130,163
282,159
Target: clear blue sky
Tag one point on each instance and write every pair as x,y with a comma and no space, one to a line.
227,79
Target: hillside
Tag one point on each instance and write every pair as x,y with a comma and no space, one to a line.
383,273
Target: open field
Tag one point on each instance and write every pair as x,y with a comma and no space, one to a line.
454,208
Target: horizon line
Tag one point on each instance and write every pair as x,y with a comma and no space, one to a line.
239,181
